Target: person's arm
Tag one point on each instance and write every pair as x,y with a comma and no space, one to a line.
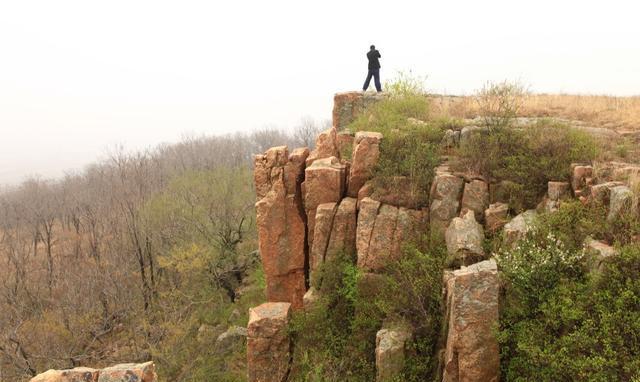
379,56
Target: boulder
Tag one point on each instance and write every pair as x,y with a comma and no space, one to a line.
597,253
468,132
621,202
366,151
450,139
310,298
348,106
475,198
446,191
496,216
580,178
464,238
324,183
127,372
281,223
518,227
79,374
390,353
472,352
268,342
326,146
601,193
558,190
234,337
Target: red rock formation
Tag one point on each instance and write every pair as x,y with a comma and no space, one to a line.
348,106
475,198
268,342
281,223
381,231
324,183
445,194
366,151
326,146
472,353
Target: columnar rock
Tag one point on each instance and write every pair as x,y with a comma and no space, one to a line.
381,231
401,193
558,190
581,177
343,232
496,216
450,139
390,353
597,253
348,106
518,227
326,146
321,233
334,232
144,372
281,222
324,183
620,203
79,374
366,151
475,198
472,352
468,132
268,342
464,238
310,298
445,194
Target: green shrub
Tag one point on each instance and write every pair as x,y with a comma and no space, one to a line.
557,324
499,103
528,157
410,146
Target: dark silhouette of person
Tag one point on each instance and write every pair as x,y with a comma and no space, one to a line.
374,69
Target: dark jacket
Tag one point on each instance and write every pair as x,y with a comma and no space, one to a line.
373,56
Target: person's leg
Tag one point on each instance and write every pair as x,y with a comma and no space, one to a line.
376,77
366,82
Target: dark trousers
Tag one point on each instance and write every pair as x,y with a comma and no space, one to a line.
375,73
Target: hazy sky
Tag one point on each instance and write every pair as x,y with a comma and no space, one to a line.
79,76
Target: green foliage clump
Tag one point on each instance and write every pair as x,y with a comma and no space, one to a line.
410,147
528,158
558,323
500,102
335,338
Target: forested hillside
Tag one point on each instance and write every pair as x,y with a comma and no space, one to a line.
137,257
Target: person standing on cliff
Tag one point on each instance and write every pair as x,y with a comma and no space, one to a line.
374,69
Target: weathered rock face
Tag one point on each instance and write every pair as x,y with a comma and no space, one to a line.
558,190
581,177
381,231
464,238
335,231
445,194
326,146
402,194
366,151
496,216
128,372
281,222
268,342
472,353
348,106
79,374
598,253
468,132
450,139
310,298
518,227
601,193
325,182
145,372
621,202
233,337
390,353
475,198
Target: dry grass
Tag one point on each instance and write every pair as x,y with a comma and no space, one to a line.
617,113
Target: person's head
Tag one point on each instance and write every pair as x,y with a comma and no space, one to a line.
373,47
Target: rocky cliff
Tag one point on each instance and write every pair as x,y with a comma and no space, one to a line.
313,205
